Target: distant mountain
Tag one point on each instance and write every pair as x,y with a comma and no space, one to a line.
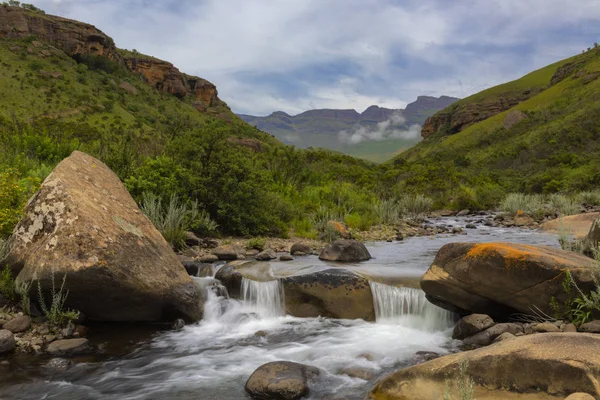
376,134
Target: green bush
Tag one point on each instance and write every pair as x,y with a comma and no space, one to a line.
56,314
565,205
591,198
465,198
14,193
416,206
258,243
388,212
304,228
530,204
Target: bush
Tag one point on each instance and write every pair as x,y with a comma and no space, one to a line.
14,193
531,204
416,206
388,212
590,198
57,314
7,285
303,228
465,198
256,244
564,205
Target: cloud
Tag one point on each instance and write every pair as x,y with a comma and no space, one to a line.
267,55
392,128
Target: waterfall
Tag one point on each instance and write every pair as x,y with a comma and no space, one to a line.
408,306
265,298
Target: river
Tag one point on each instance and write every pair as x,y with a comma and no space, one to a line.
213,359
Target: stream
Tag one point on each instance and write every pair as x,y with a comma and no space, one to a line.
213,359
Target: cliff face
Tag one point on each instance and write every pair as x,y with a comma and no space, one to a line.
79,39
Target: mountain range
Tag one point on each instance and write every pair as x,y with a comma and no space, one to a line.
376,134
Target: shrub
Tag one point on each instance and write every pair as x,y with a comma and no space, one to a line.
57,314
303,228
465,198
14,193
22,290
388,212
7,285
590,198
531,204
564,205
256,243
463,385
416,206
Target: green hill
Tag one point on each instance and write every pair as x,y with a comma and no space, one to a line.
538,134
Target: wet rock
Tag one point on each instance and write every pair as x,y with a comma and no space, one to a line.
192,240
471,325
266,255
68,346
58,365
424,356
360,373
178,324
300,247
345,251
261,334
486,337
281,380
522,219
84,225
463,213
231,278
561,363
7,341
209,258
333,293
499,279
545,327
18,324
590,327
286,257
471,226
228,252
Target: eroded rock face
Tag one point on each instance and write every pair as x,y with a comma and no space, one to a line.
333,293
499,279
84,225
281,380
535,367
345,251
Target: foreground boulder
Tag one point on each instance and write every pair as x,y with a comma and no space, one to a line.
545,366
499,279
281,380
345,251
333,293
83,225
7,341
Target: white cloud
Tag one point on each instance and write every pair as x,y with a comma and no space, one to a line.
393,50
392,128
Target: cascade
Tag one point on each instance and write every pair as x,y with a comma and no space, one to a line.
409,307
265,298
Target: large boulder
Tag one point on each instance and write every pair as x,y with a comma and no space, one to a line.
345,251
83,226
533,367
281,380
590,242
300,247
230,275
333,293
229,252
499,279
7,341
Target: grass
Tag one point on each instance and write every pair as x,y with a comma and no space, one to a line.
56,314
462,388
590,197
415,206
531,204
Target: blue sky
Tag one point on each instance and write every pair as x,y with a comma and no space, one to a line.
294,55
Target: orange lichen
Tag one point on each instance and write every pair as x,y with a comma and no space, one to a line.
516,254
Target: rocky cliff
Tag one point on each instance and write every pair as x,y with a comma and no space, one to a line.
78,39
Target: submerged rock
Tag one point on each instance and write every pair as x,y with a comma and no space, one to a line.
333,293
83,226
281,380
345,251
557,363
499,279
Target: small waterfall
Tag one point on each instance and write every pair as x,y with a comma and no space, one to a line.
265,298
408,306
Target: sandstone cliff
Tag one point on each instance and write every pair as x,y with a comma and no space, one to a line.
78,39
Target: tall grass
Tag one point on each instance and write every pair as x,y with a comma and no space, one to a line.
415,206
7,285
56,314
464,386
590,198
565,205
175,218
4,249
388,212
532,204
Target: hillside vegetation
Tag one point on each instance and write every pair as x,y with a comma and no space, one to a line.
538,134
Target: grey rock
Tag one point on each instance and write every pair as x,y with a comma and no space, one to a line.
7,341
471,325
68,346
18,324
486,337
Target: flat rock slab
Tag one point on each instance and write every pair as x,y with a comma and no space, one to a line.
68,347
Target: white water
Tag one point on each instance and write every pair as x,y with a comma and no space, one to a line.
266,298
409,307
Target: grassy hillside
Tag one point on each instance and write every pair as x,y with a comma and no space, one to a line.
555,148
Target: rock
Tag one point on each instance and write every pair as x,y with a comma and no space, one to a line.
286,257
333,293
500,279
7,341
58,365
424,356
266,255
590,327
300,247
68,346
178,324
83,225
192,240
486,337
231,278
228,252
471,325
18,324
81,331
261,333
545,327
471,226
345,251
556,363
591,240
360,373
463,213
569,328
209,259
580,396
504,336
281,380
513,117
522,219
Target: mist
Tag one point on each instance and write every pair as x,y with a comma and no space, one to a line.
392,128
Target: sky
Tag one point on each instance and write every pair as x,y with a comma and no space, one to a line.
295,55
